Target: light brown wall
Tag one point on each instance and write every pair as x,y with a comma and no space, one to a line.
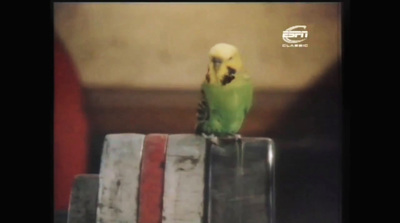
158,46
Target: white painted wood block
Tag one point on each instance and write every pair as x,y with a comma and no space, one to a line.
184,179
119,178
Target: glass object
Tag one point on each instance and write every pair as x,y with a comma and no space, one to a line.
239,179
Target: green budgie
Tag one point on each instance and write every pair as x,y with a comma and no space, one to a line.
227,94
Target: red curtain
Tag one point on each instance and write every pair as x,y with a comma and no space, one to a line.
70,126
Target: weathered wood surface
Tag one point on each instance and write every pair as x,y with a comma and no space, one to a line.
184,179
119,178
152,178
240,183
83,199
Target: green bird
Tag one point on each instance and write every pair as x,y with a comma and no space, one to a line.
226,94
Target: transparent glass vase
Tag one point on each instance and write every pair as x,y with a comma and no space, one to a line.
240,184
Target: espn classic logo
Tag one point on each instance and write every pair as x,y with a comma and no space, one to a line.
295,35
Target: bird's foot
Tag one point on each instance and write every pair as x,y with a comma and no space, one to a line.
238,137
212,138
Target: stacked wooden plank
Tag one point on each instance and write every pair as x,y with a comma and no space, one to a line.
178,178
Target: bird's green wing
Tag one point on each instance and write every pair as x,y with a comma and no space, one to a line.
248,100
203,113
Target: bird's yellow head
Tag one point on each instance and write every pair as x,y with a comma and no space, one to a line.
225,64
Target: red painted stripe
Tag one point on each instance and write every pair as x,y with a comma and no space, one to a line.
152,178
